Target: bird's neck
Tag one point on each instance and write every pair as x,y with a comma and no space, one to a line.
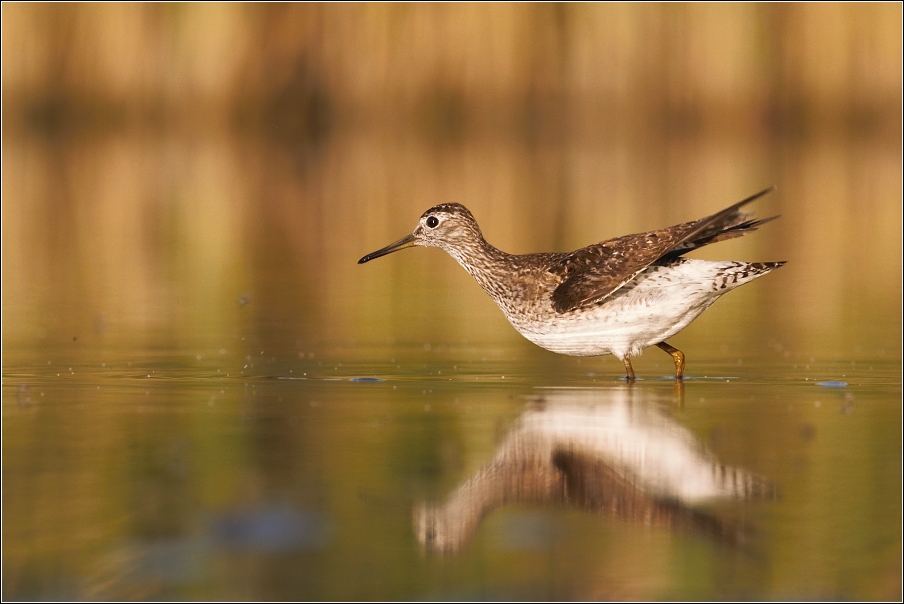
487,264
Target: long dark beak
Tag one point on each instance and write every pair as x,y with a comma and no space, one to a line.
406,241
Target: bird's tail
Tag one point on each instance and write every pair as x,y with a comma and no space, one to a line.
729,223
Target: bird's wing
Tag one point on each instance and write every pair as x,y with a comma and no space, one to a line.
592,274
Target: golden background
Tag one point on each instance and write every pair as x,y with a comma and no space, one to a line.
162,160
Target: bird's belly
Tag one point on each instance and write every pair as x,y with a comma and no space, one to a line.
622,334
643,316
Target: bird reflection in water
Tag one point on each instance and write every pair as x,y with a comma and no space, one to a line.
612,452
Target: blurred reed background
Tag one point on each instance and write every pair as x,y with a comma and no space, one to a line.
162,162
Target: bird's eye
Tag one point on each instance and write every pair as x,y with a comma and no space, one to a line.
432,222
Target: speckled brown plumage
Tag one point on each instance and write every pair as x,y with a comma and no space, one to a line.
593,273
614,297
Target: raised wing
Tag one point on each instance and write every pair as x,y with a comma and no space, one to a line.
592,274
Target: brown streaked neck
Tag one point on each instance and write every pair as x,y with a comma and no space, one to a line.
486,263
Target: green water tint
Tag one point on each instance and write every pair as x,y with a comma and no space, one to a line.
465,472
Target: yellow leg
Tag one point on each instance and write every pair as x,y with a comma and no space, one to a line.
630,370
678,356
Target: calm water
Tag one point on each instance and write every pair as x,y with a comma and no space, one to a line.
440,472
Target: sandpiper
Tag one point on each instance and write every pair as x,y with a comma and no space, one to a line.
615,297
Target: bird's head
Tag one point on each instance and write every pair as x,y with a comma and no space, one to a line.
449,226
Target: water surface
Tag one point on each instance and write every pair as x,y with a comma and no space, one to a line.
257,475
